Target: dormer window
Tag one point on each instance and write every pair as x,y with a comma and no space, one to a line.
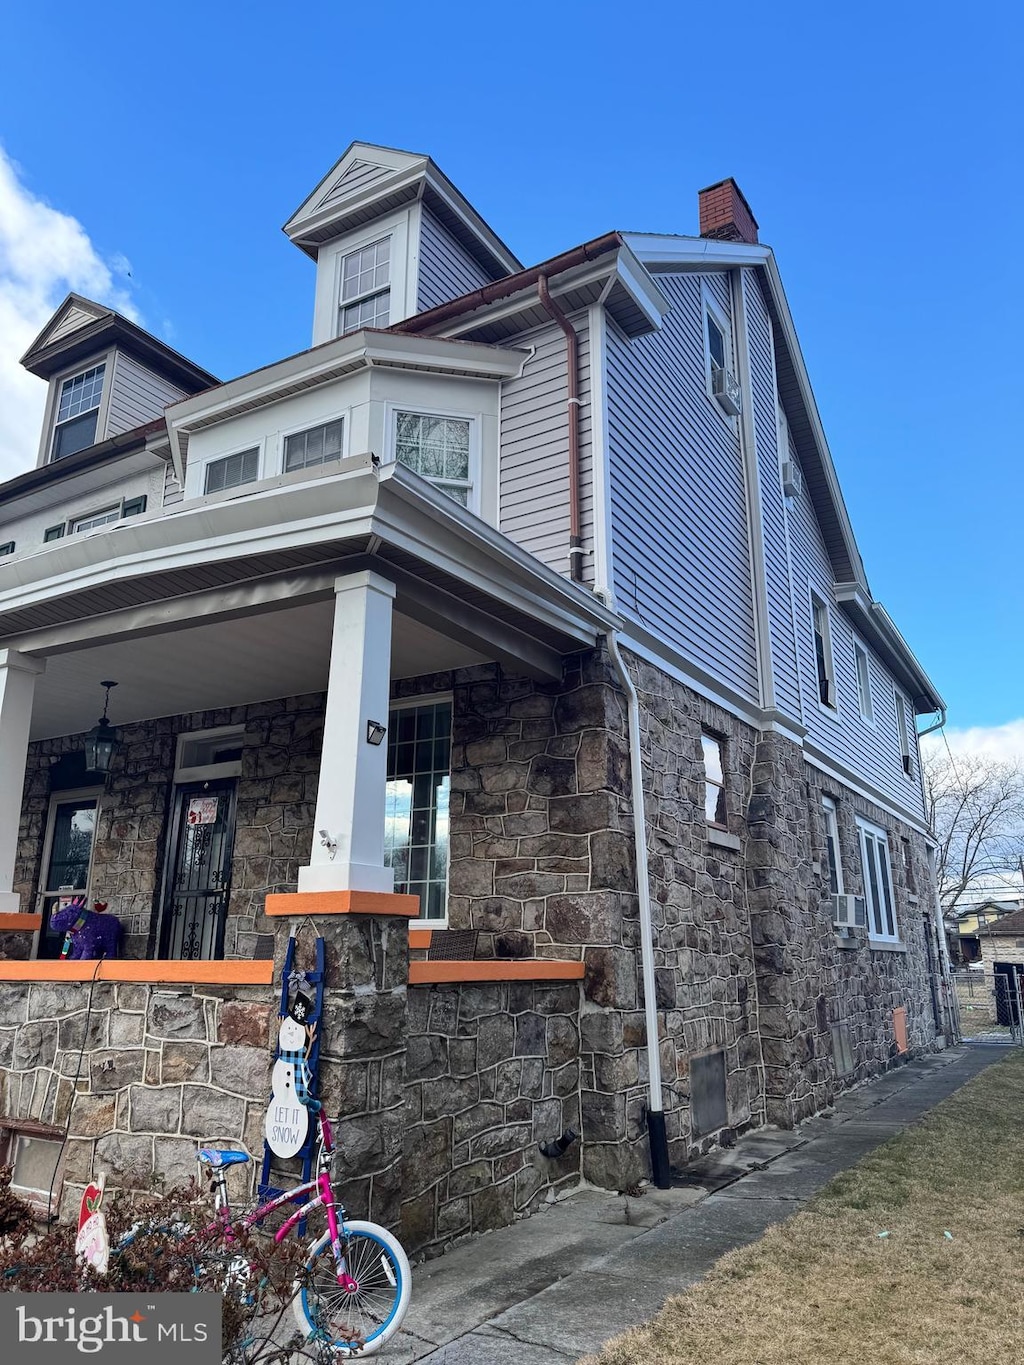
366,287
77,413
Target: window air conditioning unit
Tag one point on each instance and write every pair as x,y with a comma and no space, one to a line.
727,392
792,479
849,911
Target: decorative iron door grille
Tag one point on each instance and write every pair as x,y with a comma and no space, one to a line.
199,877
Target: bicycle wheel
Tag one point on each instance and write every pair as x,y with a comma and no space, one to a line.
357,1323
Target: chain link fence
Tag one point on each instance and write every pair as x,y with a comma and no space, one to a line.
991,1003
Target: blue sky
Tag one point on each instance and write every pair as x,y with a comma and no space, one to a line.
879,147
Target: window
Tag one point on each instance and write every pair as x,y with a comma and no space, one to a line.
34,1150
904,728
315,446
908,865
233,470
7,548
437,448
416,817
77,413
366,287
860,654
835,862
874,856
712,749
823,653
715,339
106,516
71,828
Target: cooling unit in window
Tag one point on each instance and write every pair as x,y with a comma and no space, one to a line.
792,479
727,392
848,911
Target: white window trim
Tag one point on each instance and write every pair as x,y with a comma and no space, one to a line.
879,840
344,417
106,359
69,522
829,709
63,798
711,308
868,716
707,781
237,490
207,772
475,420
404,270
405,704
831,811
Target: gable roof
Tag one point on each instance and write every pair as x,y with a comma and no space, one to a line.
368,181
81,328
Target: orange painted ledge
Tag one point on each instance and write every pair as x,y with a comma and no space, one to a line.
343,903
534,969
241,973
20,921
420,938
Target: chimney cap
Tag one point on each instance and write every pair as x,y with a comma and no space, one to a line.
725,213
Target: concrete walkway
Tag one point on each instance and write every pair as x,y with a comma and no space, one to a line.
559,1284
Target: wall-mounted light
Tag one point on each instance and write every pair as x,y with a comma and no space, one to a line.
100,740
331,845
375,732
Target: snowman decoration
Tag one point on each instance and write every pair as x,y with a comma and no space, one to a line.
287,1122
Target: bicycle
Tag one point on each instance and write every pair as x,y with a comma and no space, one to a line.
355,1284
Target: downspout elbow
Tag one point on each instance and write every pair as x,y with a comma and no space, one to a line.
937,726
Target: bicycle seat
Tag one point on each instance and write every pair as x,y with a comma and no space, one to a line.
215,1156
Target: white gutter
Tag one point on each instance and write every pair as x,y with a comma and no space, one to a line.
655,1108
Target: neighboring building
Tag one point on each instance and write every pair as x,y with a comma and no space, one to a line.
395,622
965,925
1002,955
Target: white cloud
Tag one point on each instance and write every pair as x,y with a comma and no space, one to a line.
43,255
1005,742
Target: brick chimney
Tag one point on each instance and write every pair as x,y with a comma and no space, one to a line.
725,214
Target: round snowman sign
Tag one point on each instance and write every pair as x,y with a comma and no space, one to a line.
287,1122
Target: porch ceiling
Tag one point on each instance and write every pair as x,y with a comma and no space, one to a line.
254,658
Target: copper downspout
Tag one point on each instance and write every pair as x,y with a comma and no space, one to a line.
572,367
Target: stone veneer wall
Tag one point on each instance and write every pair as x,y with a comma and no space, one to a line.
164,1068
276,798
493,1069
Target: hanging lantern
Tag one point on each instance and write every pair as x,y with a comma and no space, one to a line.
100,740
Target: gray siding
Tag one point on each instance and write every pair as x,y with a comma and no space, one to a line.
447,270
534,473
776,550
138,395
873,750
679,529
76,317
361,175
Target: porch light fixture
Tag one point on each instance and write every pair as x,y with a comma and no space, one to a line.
375,732
100,740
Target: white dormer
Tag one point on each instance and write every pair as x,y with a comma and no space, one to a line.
382,226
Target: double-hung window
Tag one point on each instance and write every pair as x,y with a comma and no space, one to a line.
832,852
78,409
864,702
874,856
416,811
824,670
713,753
366,287
904,726
314,446
438,448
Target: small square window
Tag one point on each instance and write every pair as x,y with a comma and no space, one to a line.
233,470
34,1150
713,752
7,548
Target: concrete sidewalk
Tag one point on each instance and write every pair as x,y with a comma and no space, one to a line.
559,1284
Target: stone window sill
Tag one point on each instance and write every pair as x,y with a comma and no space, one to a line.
911,898
721,838
878,945
208,973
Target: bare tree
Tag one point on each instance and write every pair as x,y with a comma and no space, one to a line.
976,808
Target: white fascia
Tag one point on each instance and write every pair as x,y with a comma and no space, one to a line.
881,631
639,283
330,361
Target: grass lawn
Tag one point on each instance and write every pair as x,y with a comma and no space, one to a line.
824,1287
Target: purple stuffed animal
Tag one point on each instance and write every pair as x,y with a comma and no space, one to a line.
90,934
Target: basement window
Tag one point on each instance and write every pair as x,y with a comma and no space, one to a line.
34,1150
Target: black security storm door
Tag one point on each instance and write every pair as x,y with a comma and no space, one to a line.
199,871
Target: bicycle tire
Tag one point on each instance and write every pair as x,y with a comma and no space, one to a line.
354,1324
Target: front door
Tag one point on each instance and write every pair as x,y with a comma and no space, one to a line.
199,871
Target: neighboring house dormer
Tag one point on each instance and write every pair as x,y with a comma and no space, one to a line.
391,236
106,376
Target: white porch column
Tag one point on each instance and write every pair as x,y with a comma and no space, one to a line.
353,773
18,675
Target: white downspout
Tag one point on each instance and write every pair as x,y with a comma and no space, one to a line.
655,1110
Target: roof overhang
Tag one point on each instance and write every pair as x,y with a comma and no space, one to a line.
331,361
92,468
871,620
